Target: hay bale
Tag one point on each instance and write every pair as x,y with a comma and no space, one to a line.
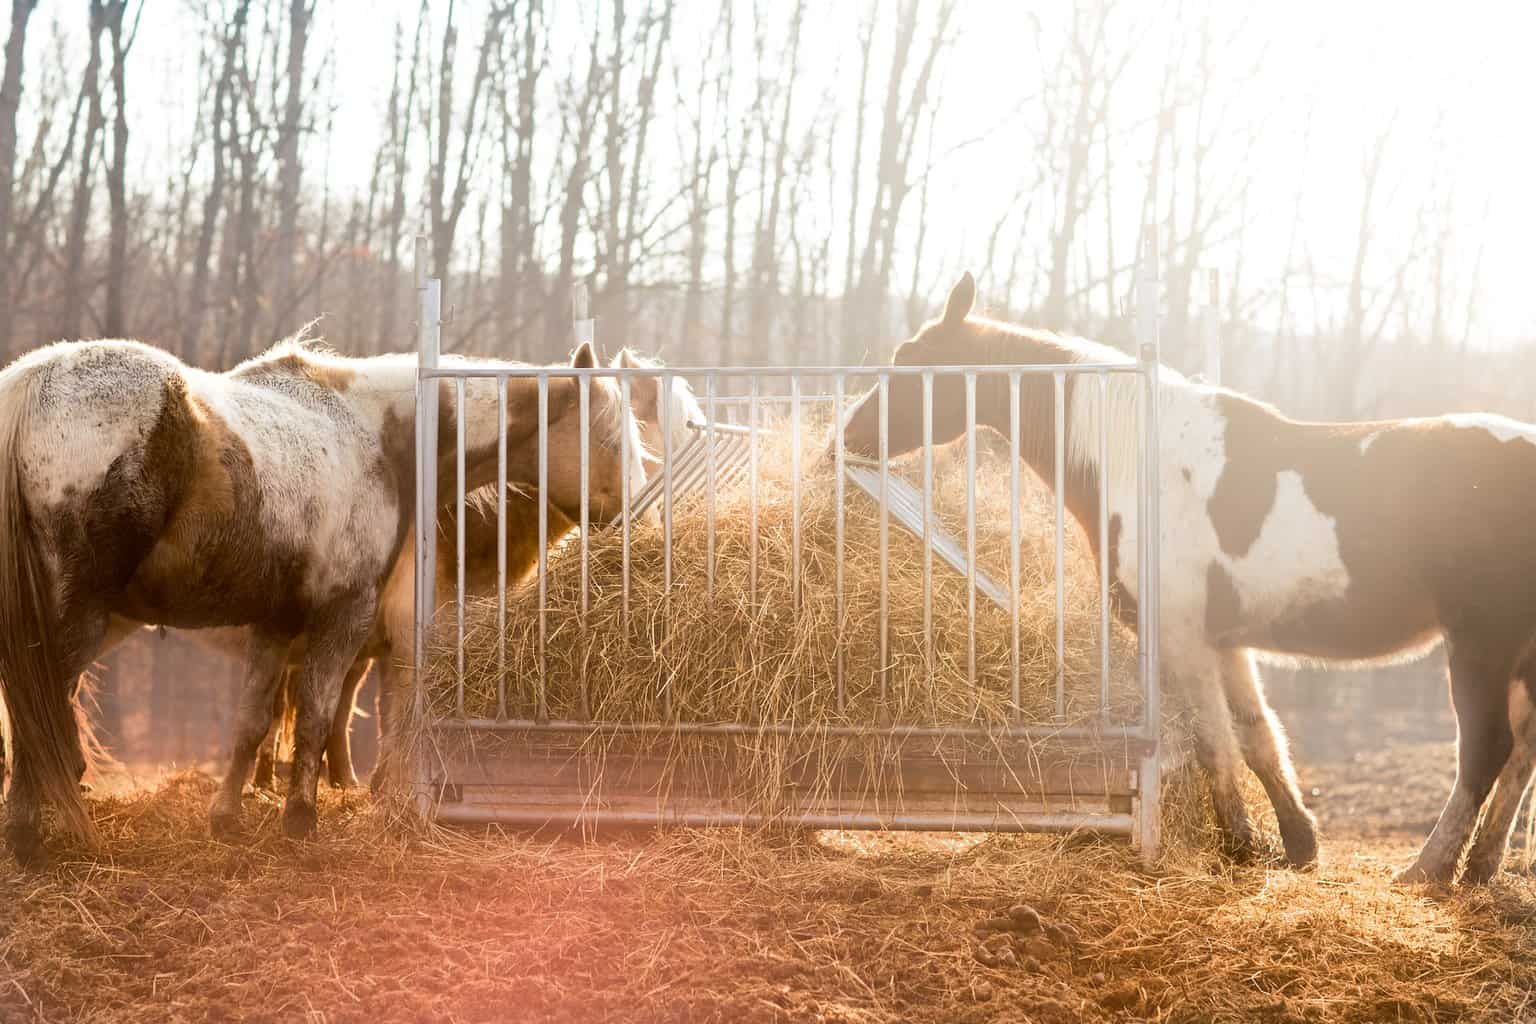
718,655
729,652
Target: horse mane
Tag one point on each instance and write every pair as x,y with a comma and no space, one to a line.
685,405
302,345
1119,412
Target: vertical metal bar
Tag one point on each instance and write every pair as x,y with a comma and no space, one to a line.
664,400
501,547
709,455
970,528
885,537
584,392
428,395
1104,552
540,709
838,384
752,417
1059,485
624,526
1015,505
794,492
1149,779
458,530
928,651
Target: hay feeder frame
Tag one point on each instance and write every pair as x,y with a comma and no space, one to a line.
1093,775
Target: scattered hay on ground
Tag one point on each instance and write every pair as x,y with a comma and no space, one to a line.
378,924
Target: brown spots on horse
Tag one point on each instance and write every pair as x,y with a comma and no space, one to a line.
1246,490
329,376
211,514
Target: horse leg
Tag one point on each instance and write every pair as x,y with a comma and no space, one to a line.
1217,751
253,719
338,748
266,754
1264,747
1480,681
385,711
24,806
1488,848
336,635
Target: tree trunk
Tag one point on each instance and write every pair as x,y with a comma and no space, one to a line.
85,185
115,320
10,103
289,169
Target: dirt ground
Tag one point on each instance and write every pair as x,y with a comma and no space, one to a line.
374,923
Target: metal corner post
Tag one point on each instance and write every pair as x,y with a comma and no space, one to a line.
1149,778
429,297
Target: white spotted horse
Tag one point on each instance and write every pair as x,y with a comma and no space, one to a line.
273,496
1323,542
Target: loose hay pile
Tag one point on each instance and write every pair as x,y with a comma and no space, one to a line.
703,653
371,923
748,649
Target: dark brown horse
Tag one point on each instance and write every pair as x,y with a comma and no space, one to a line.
1334,542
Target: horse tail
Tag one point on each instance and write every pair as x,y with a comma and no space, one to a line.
39,701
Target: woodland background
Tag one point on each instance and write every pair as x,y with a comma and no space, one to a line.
736,182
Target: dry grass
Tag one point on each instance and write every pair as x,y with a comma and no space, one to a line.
755,649
738,652
377,924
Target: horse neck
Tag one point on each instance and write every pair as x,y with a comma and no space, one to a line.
482,432
1083,475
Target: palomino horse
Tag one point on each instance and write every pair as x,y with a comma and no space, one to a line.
393,633
1305,540
271,496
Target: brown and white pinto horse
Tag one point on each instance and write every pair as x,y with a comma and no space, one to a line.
273,496
391,641
1339,542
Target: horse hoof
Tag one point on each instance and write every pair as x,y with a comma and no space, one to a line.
1419,874
1479,872
348,781
299,820
1241,849
222,823
27,847
1300,852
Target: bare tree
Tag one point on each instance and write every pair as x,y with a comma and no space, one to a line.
301,14
10,103
121,37
73,298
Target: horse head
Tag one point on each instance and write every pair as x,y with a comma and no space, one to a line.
612,433
645,402
951,339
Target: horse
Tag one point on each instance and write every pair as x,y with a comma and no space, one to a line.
273,496
1322,542
393,636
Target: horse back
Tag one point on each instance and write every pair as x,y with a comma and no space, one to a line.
1363,540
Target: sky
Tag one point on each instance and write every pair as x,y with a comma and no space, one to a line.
1457,82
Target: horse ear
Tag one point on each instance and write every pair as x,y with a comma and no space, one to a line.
584,358
961,298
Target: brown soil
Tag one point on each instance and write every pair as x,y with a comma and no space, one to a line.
375,923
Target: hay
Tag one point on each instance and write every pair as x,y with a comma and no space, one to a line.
753,652
369,923
712,653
